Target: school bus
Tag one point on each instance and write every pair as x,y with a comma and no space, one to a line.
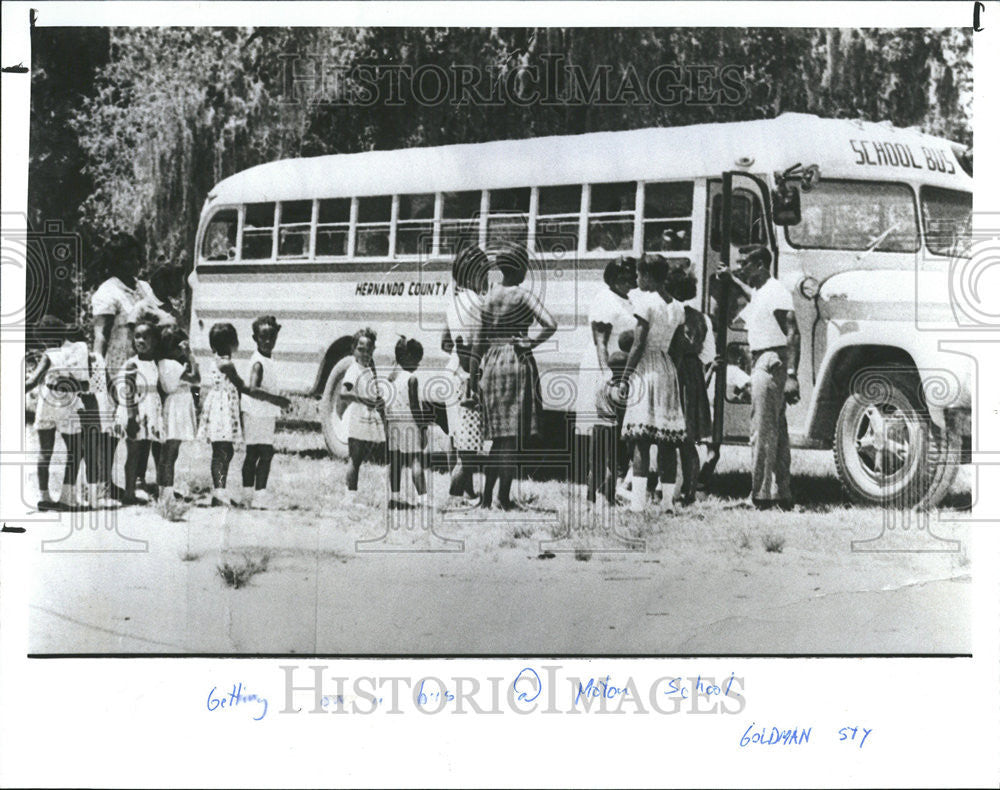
854,213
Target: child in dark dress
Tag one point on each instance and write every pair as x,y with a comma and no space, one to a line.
692,341
606,434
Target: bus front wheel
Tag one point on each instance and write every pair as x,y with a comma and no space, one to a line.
332,408
887,450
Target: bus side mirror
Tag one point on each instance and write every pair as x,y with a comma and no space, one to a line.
787,206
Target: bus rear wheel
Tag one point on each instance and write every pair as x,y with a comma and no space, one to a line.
331,410
887,450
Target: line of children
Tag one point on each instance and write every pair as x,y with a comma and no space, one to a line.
154,404
659,399
177,371
664,382
60,375
385,411
260,416
406,424
605,459
139,417
363,415
221,424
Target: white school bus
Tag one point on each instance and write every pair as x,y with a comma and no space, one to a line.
333,243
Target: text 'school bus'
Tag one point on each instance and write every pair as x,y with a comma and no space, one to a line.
862,234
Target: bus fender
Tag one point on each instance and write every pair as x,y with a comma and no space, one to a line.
866,347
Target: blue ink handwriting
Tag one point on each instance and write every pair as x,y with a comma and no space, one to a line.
423,698
602,688
776,737
234,698
702,687
854,733
528,686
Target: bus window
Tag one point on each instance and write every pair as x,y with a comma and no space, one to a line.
294,229
415,225
947,220
459,220
333,226
374,215
857,215
508,217
748,220
611,217
258,231
664,226
557,228
219,241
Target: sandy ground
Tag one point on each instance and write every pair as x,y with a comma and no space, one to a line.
696,583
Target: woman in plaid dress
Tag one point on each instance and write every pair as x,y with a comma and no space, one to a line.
504,368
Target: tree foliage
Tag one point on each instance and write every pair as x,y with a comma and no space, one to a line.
153,118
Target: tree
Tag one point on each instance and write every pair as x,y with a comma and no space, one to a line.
136,138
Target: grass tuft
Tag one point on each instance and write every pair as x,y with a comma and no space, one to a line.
172,508
773,543
238,574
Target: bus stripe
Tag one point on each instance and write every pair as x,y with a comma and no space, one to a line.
436,318
381,268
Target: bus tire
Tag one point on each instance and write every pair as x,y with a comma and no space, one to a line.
887,450
331,410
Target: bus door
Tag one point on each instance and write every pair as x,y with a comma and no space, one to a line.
747,221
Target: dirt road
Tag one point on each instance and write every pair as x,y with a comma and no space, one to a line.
696,588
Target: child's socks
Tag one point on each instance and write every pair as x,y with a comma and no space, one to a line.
67,496
640,495
98,498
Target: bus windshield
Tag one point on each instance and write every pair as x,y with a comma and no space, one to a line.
947,220
857,215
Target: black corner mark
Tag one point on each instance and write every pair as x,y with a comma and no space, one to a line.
15,530
977,8
20,68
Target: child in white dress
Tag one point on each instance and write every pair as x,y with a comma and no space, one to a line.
139,417
405,422
178,371
363,415
649,383
259,417
220,406
62,372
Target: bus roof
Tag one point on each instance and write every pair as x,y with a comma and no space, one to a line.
842,148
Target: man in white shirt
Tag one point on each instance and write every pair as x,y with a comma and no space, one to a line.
773,337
